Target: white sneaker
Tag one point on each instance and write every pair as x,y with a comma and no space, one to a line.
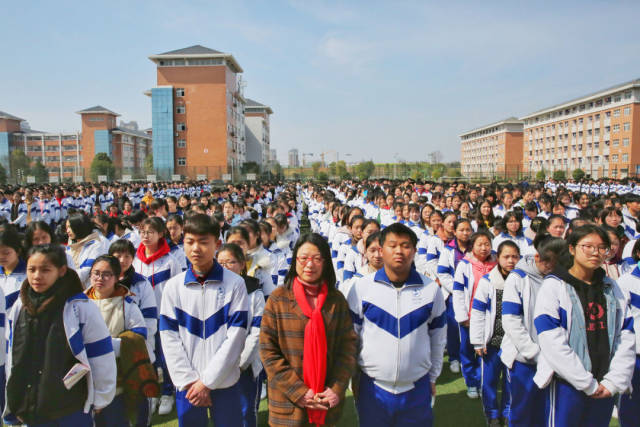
166,405
263,391
154,404
454,366
472,393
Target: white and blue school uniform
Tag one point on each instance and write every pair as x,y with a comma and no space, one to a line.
90,343
177,250
519,348
11,283
629,409
446,270
203,329
630,224
402,335
435,246
486,309
90,250
5,209
143,296
564,364
251,375
500,210
33,212
525,245
262,266
354,260
3,345
340,259
342,235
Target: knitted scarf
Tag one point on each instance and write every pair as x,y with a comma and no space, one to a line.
479,268
314,359
163,249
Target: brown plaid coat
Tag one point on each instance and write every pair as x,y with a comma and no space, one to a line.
281,349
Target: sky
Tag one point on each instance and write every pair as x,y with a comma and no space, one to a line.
370,80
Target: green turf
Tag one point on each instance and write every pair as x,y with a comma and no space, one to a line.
452,409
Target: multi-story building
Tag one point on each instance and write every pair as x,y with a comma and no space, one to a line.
491,150
294,160
197,114
69,155
256,117
598,133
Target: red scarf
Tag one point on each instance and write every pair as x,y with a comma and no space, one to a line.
479,269
163,249
314,359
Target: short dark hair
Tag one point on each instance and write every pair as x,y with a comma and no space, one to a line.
53,252
400,230
201,224
328,273
373,237
507,244
113,262
122,246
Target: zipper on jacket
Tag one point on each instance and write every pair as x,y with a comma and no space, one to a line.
203,314
398,340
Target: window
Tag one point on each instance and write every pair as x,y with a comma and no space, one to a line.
179,62
616,128
625,142
625,158
182,143
616,113
180,109
627,111
180,92
96,119
617,98
616,142
182,161
614,157
627,95
181,127
626,126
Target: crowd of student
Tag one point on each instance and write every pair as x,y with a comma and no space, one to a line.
121,300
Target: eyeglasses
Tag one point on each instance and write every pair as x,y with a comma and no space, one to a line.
227,263
602,250
303,259
104,275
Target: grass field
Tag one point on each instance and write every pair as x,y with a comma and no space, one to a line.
452,408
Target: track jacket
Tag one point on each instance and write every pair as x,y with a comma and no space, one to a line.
402,331
630,285
11,283
203,327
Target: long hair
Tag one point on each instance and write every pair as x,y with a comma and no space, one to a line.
328,273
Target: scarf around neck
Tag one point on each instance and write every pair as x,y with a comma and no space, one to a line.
76,248
314,359
479,269
163,249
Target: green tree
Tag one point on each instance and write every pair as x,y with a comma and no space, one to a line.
250,167
148,164
333,169
19,165
365,169
102,165
322,176
3,175
577,174
541,175
453,172
341,170
39,171
316,168
276,169
559,175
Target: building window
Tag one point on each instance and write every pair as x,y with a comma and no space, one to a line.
616,142
182,143
614,157
182,161
96,119
627,126
180,92
625,142
617,98
181,127
616,113
625,158
627,95
627,111
180,109
616,128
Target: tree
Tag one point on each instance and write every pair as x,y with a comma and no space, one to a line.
365,169
19,165
541,175
250,167
3,175
333,169
578,174
102,165
148,164
559,175
322,176
316,168
341,170
39,171
276,169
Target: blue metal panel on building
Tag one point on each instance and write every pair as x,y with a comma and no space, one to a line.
162,125
102,142
4,150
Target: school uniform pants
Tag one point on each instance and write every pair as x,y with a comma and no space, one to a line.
143,416
629,411
226,409
453,334
567,407
468,360
166,386
380,408
494,375
527,400
76,419
113,415
250,388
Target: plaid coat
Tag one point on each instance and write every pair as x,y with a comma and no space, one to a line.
281,349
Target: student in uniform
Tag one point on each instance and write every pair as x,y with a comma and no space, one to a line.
84,244
13,268
519,349
356,261
202,342
355,228
513,231
486,333
585,333
475,264
53,327
232,258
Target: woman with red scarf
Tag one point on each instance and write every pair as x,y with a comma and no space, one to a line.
307,341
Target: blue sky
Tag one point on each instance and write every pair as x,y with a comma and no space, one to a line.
376,80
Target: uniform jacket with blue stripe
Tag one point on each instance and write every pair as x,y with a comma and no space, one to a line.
5,209
91,250
249,358
354,261
402,331
446,268
203,327
429,248
630,285
523,242
11,284
23,209
520,341
483,309
90,343
158,272
463,282
143,296
554,322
